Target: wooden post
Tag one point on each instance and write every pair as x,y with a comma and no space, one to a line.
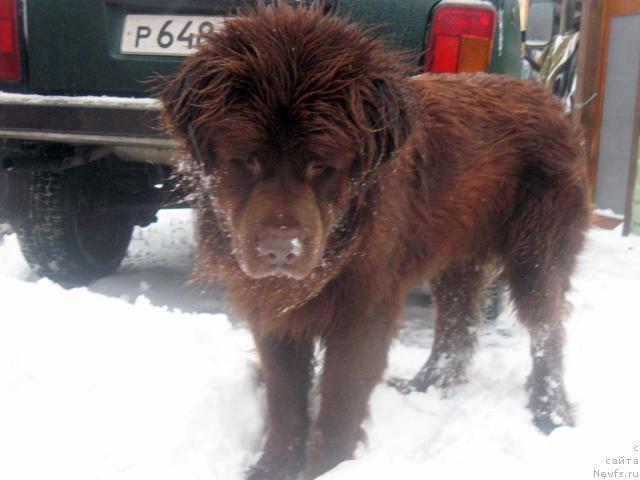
588,98
635,161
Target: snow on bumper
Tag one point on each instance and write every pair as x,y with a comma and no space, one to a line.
95,120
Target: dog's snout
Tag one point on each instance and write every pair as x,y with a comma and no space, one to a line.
280,246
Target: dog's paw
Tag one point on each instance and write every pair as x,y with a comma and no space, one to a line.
548,421
443,377
258,472
443,380
262,472
401,385
550,408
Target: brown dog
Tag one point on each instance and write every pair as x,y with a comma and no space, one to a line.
327,184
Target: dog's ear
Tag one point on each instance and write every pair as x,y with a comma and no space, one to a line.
194,97
386,121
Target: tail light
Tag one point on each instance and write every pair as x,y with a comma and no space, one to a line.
461,39
9,42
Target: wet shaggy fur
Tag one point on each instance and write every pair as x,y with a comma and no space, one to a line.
328,183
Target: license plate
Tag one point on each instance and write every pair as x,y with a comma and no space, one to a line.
165,34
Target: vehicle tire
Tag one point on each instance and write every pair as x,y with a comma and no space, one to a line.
69,236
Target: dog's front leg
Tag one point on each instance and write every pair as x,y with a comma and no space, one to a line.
355,358
286,368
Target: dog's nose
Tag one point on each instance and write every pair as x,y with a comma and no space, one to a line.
280,246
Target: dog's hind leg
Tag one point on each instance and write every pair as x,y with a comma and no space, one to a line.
458,294
538,293
542,243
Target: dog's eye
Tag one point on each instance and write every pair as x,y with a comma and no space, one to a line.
252,164
315,169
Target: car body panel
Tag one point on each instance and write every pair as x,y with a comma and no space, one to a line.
74,45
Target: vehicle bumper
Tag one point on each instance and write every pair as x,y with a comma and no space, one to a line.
82,120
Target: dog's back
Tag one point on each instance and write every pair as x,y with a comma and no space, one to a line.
489,151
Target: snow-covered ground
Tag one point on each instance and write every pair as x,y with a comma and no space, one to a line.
141,376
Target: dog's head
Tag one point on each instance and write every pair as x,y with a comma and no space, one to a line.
288,114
